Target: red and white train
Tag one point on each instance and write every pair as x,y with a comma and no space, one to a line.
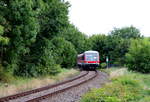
88,60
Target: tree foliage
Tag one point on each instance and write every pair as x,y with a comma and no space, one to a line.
138,57
64,52
98,43
26,30
126,32
116,48
40,61
110,46
115,45
36,38
3,40
77,38
53,17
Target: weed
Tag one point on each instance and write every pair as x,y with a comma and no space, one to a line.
125,87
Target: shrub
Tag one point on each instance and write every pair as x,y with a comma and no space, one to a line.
5,76
55,69
117,64
103,65
138,57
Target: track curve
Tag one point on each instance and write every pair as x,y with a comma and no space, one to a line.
23,97
88,77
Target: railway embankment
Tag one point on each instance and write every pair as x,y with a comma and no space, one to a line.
70,90
74,94
21,84
125,86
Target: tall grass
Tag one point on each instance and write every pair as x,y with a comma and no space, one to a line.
21,84
125,87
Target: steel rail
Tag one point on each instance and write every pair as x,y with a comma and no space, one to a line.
38,99
18,95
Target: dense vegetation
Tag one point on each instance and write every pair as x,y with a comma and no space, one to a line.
124,47
138,57
36,38
115,45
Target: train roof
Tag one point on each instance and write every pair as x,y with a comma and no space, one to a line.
91,52
80,55
87,52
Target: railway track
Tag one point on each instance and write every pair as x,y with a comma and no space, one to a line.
39,94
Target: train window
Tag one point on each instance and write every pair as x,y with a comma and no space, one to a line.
91,57
83,57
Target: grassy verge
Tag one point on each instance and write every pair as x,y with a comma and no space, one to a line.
23,84
125,87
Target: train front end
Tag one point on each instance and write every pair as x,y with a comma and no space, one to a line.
91,59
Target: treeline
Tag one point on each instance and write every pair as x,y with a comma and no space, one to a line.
123,47
36,38
116,44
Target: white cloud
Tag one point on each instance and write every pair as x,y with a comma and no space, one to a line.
101,16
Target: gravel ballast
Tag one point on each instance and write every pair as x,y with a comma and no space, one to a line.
51,90
75,94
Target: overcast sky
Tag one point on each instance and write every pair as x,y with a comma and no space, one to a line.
101,16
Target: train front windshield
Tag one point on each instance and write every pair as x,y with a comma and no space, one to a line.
91,57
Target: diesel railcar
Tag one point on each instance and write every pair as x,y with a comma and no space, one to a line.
89,60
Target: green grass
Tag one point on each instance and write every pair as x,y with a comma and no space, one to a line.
125,87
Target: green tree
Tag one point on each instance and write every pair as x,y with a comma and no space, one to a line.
116,48
4,29
40,61
52,17
98,43
121,49
64,52
28,31
138,57
3,41
112,46
126,32
24,31
77,38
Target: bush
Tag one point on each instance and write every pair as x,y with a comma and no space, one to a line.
5,76
55,69
103,65
138,57
116,63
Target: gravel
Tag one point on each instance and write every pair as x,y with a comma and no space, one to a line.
75,94
45,92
